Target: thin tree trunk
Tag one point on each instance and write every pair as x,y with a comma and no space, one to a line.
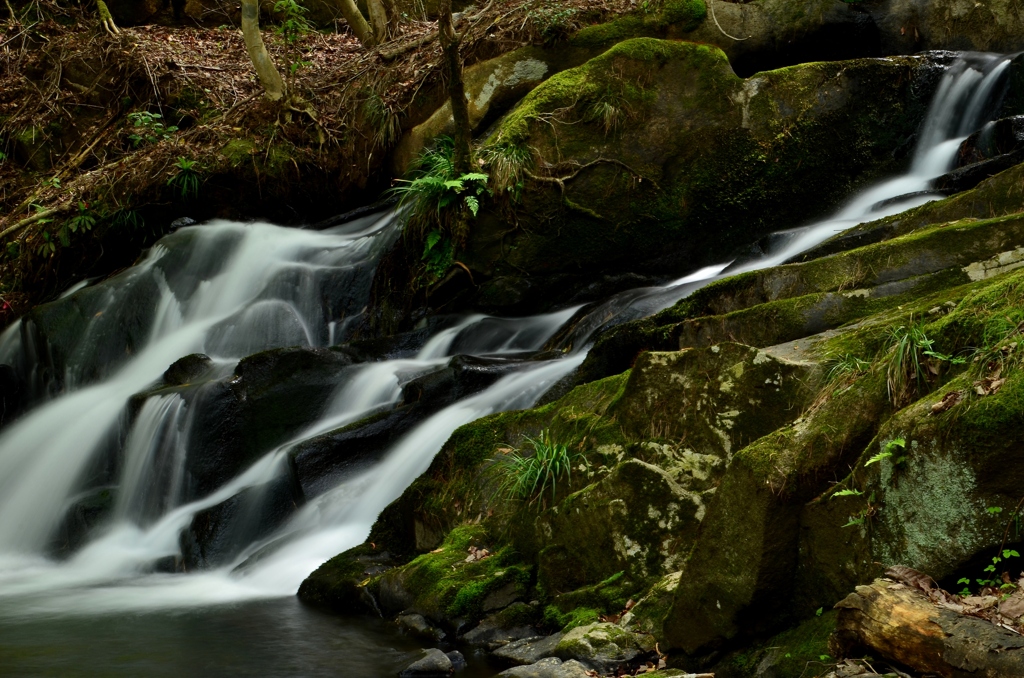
389,7
357,22
378,20
456,87
265,68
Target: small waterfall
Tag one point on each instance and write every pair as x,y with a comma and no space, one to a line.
228,290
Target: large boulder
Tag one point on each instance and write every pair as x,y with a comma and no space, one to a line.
655,155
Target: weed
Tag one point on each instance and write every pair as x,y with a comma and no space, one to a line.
525,477
888,451
186,179
294,25
83,221
844,367
383,119
507,164
148,127
552,21
911,362
439,200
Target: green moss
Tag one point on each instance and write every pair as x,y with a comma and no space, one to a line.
794,653
239,151
681,15
566,621
444,585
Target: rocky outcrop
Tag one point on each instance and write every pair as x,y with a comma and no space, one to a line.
657,149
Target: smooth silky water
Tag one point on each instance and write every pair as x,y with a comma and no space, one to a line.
229,290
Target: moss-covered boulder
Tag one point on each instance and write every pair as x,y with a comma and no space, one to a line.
658,150
603,647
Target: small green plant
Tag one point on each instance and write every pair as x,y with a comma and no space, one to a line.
52,182
844,367
47,247
294,25
888,451
526,477
847,493
83,221
862,516
911,362
553,21
439,201
148,128
186,179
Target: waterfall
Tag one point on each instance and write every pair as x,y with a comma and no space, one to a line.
98,423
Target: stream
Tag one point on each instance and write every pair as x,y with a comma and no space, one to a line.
111,599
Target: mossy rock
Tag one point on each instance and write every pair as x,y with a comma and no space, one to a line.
648,614
602,646
444,586
657,127
793,653
340,584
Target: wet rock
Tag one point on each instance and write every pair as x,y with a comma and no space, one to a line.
434,664
529,650
187,369
458,661
82,517
552,667
603,647
418,626
218,534
339,584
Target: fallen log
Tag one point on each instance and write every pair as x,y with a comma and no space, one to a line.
900,623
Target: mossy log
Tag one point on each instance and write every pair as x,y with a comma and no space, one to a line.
902,625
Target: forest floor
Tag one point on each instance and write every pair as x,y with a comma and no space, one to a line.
95,128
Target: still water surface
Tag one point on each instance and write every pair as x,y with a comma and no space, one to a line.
267,638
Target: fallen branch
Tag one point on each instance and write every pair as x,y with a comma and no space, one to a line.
902,624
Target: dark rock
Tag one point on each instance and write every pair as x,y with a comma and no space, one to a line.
84,514
434,664
181,222
187,369
218,534
417,625
994,139
457,660
492,633
529,650
337,585
12,394
969,176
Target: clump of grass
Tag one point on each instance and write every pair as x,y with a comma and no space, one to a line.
186,180
905,371
526,476
845,367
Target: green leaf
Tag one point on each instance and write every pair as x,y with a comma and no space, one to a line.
878,457
963,580
473,204
847,493
474,176
818,613
429,242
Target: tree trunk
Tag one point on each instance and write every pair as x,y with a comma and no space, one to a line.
378,20
902,625
456,87
265,68
357,22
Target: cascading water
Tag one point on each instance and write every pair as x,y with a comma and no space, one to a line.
229,290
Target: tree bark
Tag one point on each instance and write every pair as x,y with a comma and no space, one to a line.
357,22
378,20
901,624
265,68
456,87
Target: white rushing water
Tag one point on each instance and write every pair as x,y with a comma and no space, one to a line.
229,290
